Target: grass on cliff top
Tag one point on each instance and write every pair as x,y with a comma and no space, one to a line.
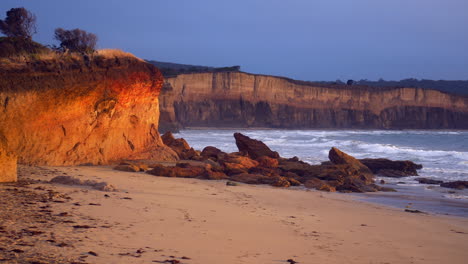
16,52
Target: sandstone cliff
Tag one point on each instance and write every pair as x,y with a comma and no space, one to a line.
86,110
236,99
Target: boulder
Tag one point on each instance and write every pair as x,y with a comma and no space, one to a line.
356,185
179,145
250,178
293,182
8,163
338,157
254,148
428,181
460,185
183,171
392,168
127,167
315,183
131,166
210,153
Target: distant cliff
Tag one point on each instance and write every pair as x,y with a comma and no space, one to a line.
75,110
236,99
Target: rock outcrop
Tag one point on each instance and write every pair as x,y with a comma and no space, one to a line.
179,145
343,173
392,168
85,110
460,185
236,99
254,148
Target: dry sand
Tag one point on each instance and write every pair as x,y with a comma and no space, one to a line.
154,219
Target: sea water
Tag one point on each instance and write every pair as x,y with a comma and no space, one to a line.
443,154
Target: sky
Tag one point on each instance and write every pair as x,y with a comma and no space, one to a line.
302,39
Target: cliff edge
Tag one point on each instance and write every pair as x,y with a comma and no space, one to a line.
237,99
75,110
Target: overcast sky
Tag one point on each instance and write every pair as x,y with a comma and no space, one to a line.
301,39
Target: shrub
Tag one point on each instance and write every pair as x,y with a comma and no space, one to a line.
19,22
76,40
17,46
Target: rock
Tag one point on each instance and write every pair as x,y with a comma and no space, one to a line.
183,170
221,99
179,145
414,211
79,111
230,183
160,170
460,185
260,179
215,166
338,157
280,182
428,181
254,148
8,163
391,168
386,189
210,152
293,182
267,162
315,183
127,167
356,185
299,168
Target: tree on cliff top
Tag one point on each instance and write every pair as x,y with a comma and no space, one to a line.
19,22
76,40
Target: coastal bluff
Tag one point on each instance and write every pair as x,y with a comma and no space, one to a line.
80,110
238,99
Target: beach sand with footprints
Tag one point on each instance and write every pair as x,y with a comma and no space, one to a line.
151,219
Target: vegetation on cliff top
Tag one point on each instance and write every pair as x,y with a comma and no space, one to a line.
18,48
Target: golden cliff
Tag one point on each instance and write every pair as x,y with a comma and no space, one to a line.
78,111
236,99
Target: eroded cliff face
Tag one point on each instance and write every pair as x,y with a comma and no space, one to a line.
236,99
75,112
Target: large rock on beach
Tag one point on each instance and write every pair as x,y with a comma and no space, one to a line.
179,145
460,185
254,148
392,168
211,152
315,183
428,181
338,157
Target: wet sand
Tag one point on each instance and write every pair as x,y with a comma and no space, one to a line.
173,220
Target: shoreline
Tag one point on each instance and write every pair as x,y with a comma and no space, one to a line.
317,129
154,219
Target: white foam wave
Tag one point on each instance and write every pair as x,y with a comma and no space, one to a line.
392,149
456,196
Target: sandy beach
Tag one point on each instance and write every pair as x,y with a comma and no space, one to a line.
173,220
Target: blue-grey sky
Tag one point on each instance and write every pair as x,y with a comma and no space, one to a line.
301,39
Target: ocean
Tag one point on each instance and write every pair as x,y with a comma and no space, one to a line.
443,154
